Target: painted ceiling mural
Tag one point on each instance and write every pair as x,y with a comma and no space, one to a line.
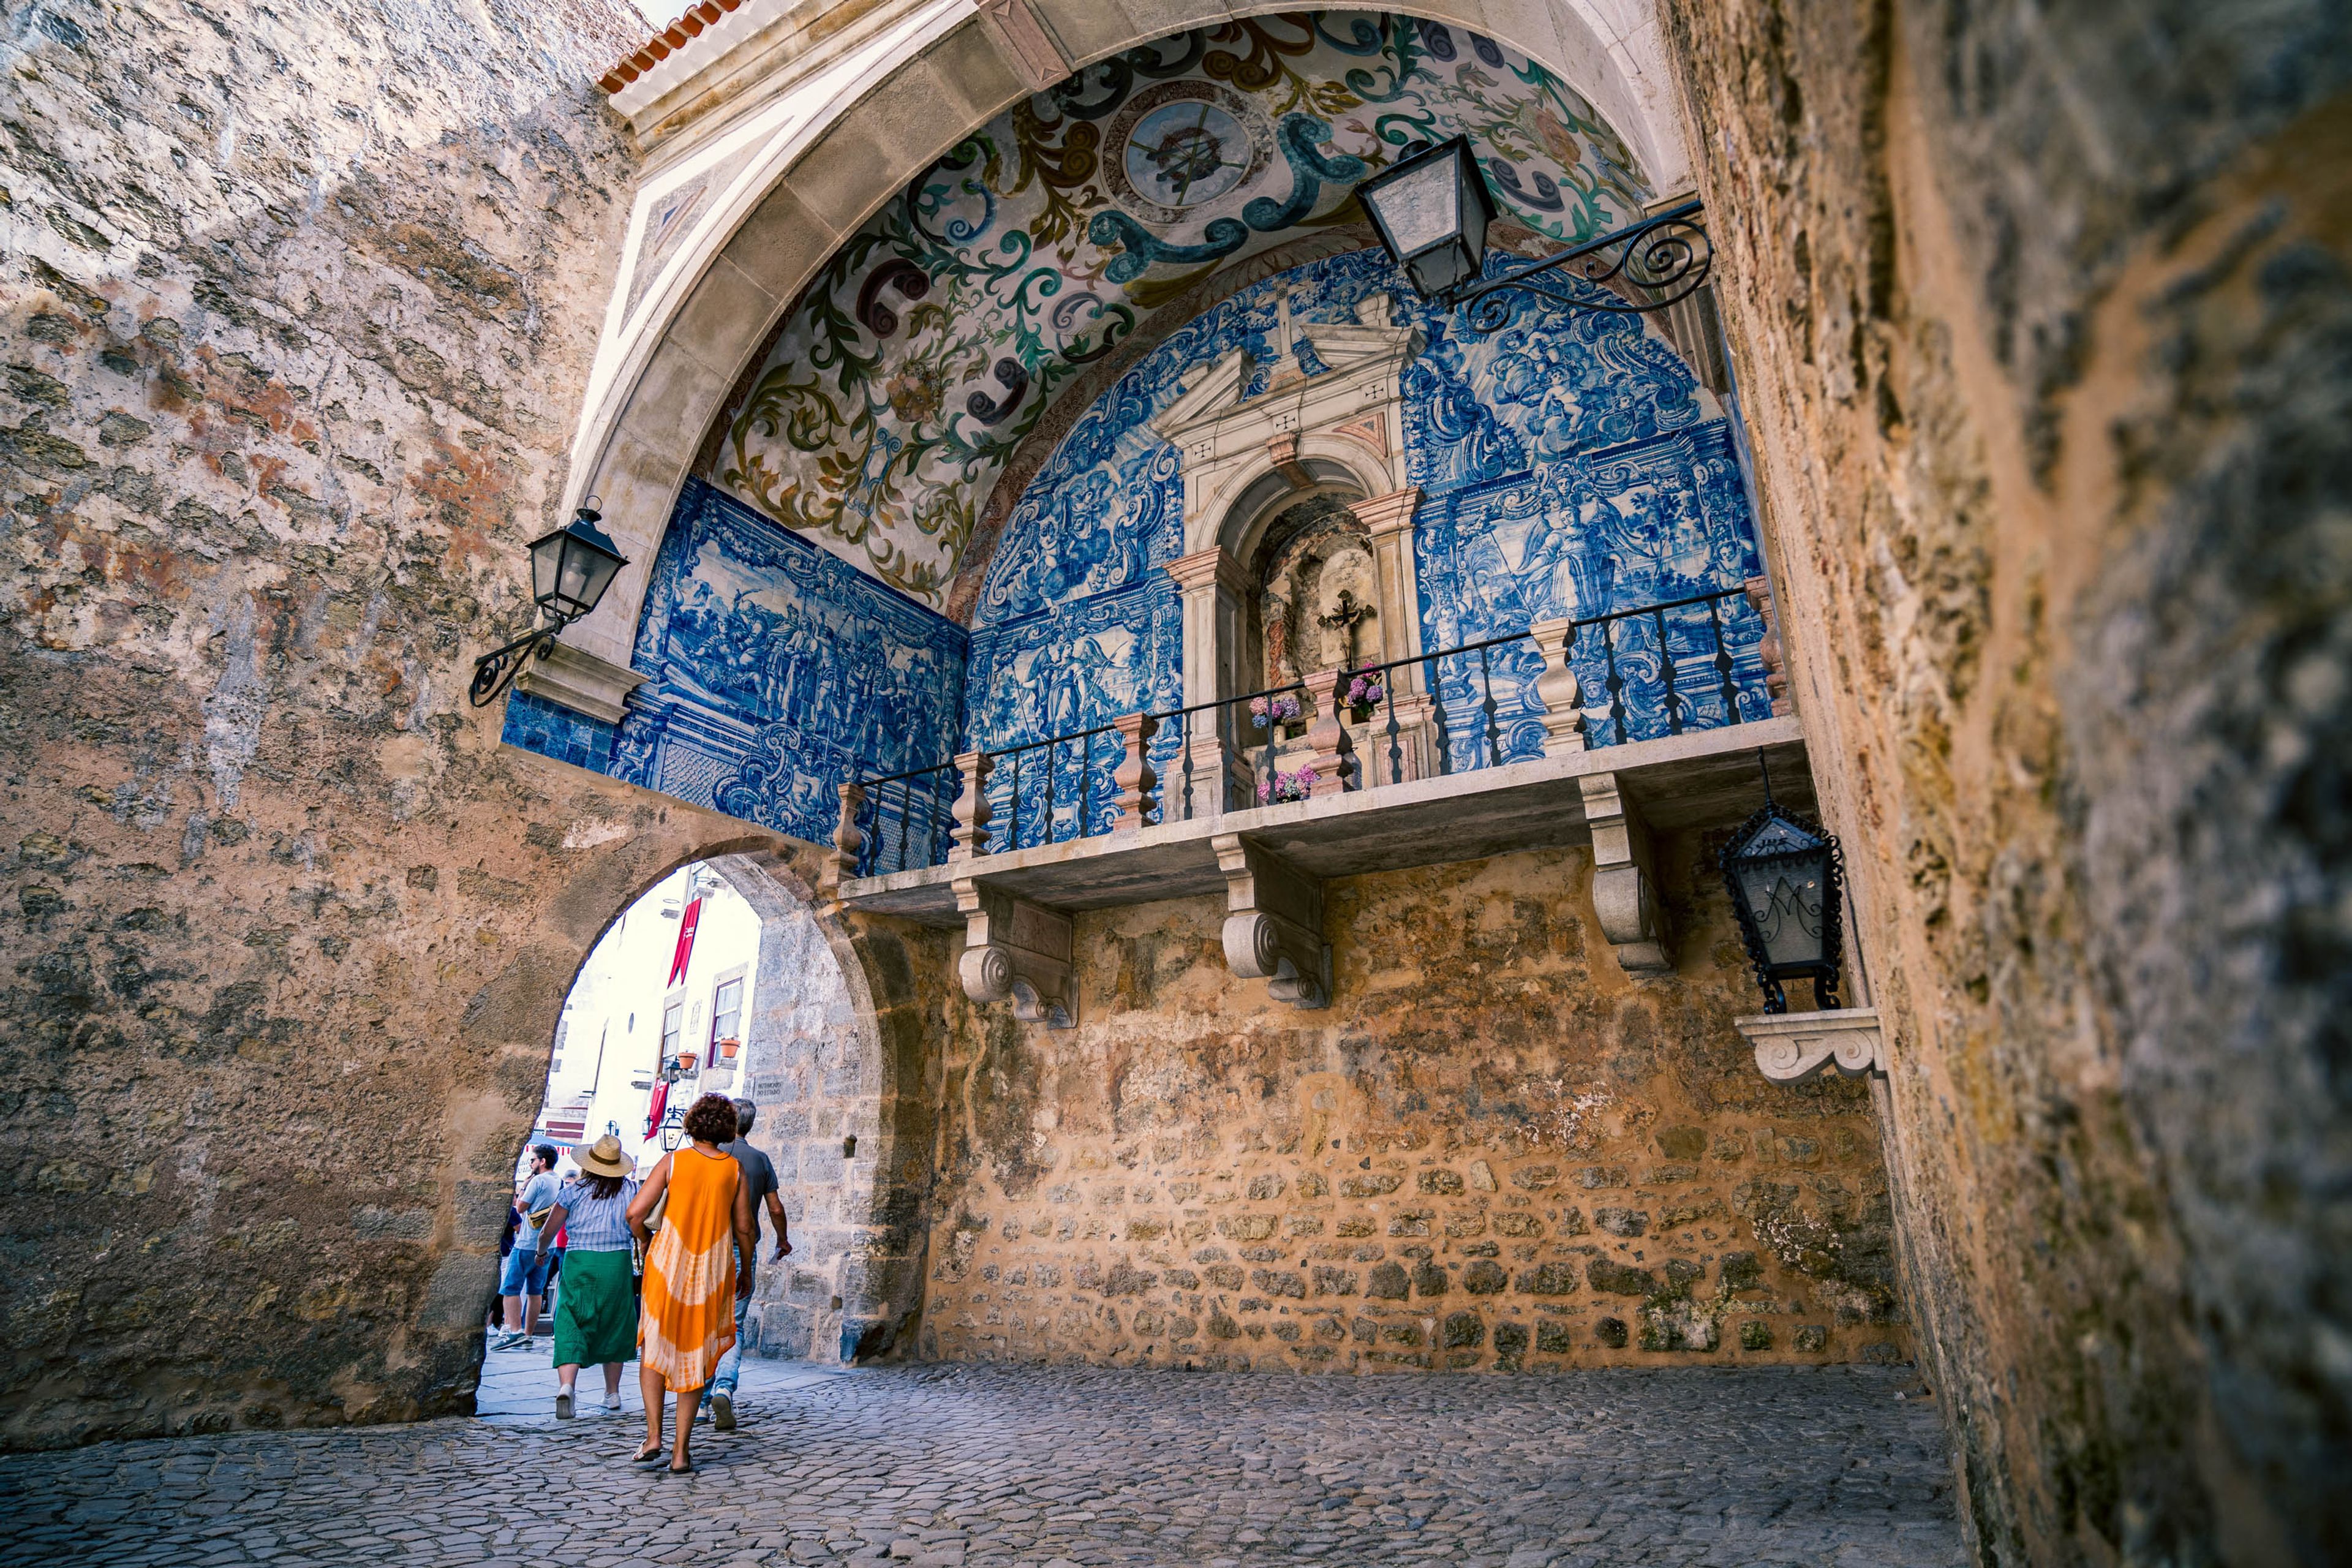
940,331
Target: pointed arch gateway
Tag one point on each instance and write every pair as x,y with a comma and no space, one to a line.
765,165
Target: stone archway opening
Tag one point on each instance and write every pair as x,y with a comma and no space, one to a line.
725,977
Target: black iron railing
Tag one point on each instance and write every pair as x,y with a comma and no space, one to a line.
1690,663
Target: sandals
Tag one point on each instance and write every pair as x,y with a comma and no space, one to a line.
649,1453
687,1469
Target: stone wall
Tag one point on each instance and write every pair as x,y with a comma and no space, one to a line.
1495,1149
2042,320
294,312
847,1094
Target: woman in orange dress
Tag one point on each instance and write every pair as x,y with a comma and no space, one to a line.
687,1319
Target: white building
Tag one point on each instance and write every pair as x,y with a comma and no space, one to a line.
625,1021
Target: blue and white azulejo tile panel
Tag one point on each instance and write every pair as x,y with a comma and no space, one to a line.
777,672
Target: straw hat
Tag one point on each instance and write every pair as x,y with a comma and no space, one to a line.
604,1158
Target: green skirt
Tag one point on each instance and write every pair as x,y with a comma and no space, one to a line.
596,1311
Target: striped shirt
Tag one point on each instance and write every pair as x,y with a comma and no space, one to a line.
591,1223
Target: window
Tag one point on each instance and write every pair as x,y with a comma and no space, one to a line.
673,1026
727,1010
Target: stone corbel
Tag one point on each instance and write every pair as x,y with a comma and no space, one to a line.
1793,1046
1018,949
1274,924
1624,887
574,679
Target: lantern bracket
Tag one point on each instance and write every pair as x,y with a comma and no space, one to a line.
1666,255
496,670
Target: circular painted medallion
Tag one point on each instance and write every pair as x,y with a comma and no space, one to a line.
1177,146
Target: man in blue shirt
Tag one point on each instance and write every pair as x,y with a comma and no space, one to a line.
760,1176
524,1280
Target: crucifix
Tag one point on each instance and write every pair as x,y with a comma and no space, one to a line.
1347,615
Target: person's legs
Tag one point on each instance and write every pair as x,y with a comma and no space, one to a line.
649,1385
534,1292
731,1371
687,1399
612,1385
514,1279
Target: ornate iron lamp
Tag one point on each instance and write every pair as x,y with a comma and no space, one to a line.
569,570
1783,874
1431,209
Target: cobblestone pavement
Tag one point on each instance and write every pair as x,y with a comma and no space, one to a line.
1054,1468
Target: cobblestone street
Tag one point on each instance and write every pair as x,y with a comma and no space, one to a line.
949,1465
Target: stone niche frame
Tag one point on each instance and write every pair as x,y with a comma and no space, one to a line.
1246,460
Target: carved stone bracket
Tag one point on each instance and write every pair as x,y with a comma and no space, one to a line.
1018,949
1793,1046
1559,689
1624,887
971,833
1135,777
1274,924
1327,737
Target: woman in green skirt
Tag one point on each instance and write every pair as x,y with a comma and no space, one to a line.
597,1310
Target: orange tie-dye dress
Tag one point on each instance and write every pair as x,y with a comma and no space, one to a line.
688,1320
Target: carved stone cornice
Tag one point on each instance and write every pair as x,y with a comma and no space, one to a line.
1391,513
1015,950
1793,1046
1214,564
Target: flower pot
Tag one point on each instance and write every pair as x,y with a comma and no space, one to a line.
728,1049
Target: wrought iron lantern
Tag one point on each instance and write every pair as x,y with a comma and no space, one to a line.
569,570
1431,209
1784,875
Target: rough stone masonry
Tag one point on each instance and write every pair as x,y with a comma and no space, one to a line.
2043,318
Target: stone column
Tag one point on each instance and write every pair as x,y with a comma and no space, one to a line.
1559,688
1135,777
972,806
1388,520
848,840
1211,588
1327,737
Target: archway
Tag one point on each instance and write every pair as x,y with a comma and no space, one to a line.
724,977
726,237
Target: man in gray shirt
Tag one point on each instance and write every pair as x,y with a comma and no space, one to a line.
760,1176
523,1281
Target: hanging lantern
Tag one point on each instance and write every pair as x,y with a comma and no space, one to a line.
1783,874
1431,210
571,567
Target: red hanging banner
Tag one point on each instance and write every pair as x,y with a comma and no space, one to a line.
658,1103
685,954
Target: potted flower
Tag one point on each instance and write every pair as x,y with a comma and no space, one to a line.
728,1048
1284,786
686,1061
1280,711
1364,693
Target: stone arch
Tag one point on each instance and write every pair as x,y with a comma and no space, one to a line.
667,361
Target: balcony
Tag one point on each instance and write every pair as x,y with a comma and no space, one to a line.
1593,730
